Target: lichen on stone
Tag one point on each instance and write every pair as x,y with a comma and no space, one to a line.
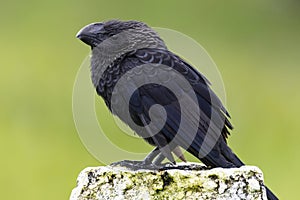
120,183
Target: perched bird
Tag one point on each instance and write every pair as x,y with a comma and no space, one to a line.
133,71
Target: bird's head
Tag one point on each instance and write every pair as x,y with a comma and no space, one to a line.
116,34
112,39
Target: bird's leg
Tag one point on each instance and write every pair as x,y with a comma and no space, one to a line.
159,159
150,157
162,146
177,151
166,152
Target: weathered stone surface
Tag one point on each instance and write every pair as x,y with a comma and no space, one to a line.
120,183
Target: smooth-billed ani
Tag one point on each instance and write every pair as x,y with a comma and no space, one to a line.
133,50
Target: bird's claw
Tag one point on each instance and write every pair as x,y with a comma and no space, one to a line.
136,165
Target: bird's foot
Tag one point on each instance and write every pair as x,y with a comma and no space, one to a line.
136,165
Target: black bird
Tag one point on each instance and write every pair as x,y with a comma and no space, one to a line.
133,50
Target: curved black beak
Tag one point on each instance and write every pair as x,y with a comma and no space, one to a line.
90,34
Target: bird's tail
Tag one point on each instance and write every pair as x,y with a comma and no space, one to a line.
270,194
238,163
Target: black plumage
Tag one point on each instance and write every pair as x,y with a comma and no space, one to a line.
139,46
151,94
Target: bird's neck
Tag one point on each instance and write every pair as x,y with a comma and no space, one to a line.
113,48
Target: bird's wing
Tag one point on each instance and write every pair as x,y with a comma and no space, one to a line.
211,116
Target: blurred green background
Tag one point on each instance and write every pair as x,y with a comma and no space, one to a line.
255,44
